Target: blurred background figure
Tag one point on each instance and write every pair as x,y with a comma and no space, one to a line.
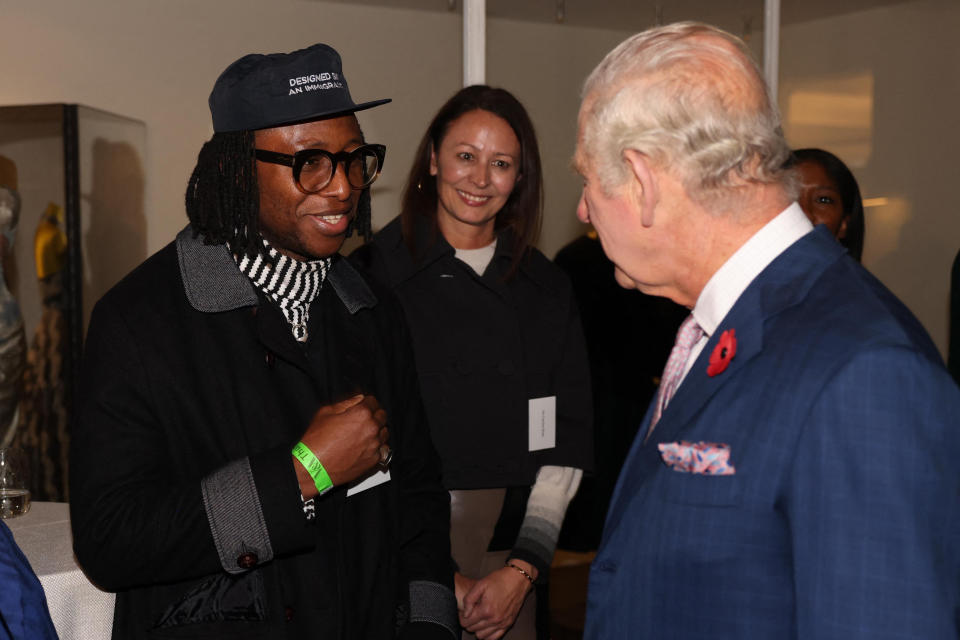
12,340
829,195
629,336
44,432
499,349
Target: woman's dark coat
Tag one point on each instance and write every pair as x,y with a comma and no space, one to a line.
485,346
184,495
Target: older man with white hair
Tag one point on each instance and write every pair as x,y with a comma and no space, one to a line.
796,476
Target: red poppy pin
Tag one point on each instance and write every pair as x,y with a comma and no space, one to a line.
722,353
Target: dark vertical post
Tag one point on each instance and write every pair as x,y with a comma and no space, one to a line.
73,275
953,357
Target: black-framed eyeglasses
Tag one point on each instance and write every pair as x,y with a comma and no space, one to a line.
313,169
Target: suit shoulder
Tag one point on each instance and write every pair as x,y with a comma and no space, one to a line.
847,310
144,303
546,274
878,314
387,305
382,256
156,274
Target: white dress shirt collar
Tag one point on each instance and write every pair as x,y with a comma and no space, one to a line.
726,285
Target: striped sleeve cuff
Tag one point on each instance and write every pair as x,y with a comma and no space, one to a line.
546,507
434,603
236,519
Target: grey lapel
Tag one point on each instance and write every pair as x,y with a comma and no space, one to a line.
213,283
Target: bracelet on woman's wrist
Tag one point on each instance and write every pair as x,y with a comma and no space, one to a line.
521,570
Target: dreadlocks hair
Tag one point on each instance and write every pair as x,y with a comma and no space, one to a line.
223,198
362,222
223,195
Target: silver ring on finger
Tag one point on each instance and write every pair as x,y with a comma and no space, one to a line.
386,455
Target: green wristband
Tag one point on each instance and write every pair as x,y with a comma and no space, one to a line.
309,461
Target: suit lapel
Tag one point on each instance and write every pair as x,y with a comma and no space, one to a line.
694,392
746,321
637,467
274,333
784,282
348,351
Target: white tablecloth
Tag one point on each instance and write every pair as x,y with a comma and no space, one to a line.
79,610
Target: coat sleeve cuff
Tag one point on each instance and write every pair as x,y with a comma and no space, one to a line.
236,519
546,507
434,603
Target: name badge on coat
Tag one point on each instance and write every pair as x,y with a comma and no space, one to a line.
543,423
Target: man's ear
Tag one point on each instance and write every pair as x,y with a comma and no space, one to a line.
645,182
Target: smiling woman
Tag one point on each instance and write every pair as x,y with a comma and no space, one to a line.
500,354
476,168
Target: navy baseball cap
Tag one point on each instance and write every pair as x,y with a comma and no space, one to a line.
262,91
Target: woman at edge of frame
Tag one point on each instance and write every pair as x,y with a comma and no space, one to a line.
830,195
499,349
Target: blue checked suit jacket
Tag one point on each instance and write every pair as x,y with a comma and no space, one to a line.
843,517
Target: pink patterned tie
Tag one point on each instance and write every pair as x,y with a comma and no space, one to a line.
687,336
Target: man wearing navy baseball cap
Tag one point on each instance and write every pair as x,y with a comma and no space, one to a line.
251,458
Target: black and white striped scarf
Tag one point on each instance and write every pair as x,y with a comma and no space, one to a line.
292,284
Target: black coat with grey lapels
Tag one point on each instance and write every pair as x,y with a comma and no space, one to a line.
184,495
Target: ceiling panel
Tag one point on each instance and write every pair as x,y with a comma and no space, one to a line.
635,15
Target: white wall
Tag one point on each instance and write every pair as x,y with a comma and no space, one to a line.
544,65
902,62
156,62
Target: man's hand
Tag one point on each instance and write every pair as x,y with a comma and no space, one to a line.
346,438
492,604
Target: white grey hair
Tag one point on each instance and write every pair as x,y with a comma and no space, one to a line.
690,97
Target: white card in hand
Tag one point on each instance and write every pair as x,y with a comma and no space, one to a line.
369,482
543,423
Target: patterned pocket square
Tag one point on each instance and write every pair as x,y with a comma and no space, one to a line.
706,458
